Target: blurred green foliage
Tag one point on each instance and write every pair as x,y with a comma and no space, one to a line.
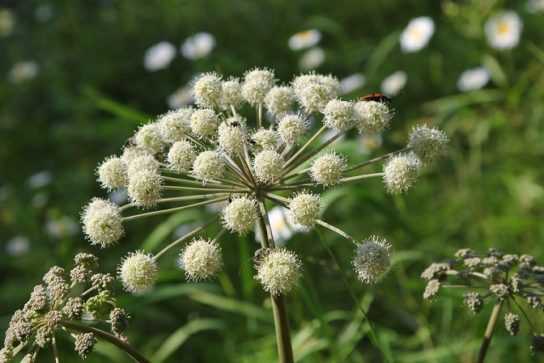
92,90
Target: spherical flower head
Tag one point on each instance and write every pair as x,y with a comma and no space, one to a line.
149,138
240,215
208,165
327,169
231,138
102,222
279,100
181,156
201,259
231,94
372,259
339,115
204,122
207,90
305,209
279,271
313,91
427,142
268,166
144,162
503,30
132,152
174,125
256,85
266,139
138,272
112,173
291,128
512,323
372,116
401,172
417,34
84,344
144,188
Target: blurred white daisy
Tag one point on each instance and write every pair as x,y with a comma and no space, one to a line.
7,22
332,133
369,142
17,246
159,56
119,196
282,228
473,79
23,71
183,96
417,34
304,39
61,227
352,83
198,45
394,83
40,179
535,6
503,30
312,58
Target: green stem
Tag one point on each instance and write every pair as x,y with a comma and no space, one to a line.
490,329
172,210
133,353
304,147
335,230
182,239
281,323
375,160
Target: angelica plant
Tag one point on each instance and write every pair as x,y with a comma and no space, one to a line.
514,283
76,303
218,153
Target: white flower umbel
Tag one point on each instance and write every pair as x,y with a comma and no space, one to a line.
417,34
401,172
102,222
175,125
247,154
159,56
291,128
207,90
240,215
201,259
372,116
138,272
304,39
198,46
112,173
279,271
503,30
372,259
473,79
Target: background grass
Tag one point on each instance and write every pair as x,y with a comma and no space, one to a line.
92,91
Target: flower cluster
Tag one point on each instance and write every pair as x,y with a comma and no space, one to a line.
65,301
217,154
514,282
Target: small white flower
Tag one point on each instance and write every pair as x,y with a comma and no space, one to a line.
149,138
291,128
372,259
159,56
312,59
427,142
144,188
207,90
266,139
305,208
40,179
23,71
138,272
240,215
112,173
17,246
314,91
473,79
327,169
142,162
417,34
394,83
174,125
257,83
535,6
102,222
183,96
208,165
304,39
231,94
339,115
204,122
198,46
503,30
401,172
282,229
231,138
201,259
351,83
279,100
181,156
268,166
279,271
372,116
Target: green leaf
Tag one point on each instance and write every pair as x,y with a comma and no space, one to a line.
180,336
115,108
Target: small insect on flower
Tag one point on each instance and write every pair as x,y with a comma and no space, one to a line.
377,97
372,259
201,259
138,272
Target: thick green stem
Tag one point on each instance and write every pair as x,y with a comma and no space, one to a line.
281,323
489,330
101,334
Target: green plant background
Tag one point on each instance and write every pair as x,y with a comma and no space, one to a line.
93,91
